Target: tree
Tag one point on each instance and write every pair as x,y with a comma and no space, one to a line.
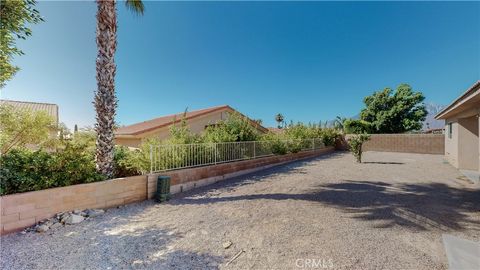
236,128
394,112
15,15
279,118
105,99
338,123
356,143
352,126
20,127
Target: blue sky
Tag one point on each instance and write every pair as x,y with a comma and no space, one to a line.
310,61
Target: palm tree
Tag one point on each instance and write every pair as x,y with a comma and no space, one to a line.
279,118
105,100
338,123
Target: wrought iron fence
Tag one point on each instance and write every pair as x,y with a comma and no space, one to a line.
179,156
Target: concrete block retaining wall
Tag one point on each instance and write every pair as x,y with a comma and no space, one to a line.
407,143
186,179
22,210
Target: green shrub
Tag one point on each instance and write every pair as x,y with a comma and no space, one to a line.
236,128
125,162
329,136
25,170
352,126
356,143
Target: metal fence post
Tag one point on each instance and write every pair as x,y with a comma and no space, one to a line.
151,158
215,153
254,149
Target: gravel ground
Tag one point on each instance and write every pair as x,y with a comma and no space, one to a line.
387,213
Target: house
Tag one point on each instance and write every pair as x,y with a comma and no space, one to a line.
462,128
49,108
434,131
197,121
276,130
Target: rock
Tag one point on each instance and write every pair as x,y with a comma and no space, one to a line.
64,217
73,219
56,225
77,212
94,212
227,244
48,223
42,228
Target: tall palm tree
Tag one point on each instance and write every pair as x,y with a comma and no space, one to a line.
279,118
338,123
105,100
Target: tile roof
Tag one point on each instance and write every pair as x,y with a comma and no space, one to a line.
275,129
164,121
51,109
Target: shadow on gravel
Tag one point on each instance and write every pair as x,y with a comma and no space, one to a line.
383,162
125,238
133,240
419,206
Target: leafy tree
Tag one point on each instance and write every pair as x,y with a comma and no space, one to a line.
279,118
20,127
181,134
352,126
105,99
236,128
15,15
395,112
356,144
339,123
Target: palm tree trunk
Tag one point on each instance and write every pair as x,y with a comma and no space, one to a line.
105,100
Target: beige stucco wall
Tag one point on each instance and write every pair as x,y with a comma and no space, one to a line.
128,142
451,144
468,143
463,149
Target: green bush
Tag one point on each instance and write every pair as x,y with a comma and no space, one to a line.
356,143
352,126
125,162
236,128
25,170
329,136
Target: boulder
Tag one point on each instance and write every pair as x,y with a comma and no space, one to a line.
94,212
73,219
56,225
42,228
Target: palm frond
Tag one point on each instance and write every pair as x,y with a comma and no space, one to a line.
135,5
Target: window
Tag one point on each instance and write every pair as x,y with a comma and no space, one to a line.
449,130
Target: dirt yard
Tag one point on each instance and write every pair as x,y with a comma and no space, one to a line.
326,213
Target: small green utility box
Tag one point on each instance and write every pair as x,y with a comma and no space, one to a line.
163,189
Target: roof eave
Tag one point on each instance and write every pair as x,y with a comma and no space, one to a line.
462,98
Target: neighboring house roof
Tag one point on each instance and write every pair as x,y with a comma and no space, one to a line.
49,108
434,130
467,100
275,129
164,121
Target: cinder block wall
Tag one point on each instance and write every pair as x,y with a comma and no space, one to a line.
22,210
407,143
186,179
